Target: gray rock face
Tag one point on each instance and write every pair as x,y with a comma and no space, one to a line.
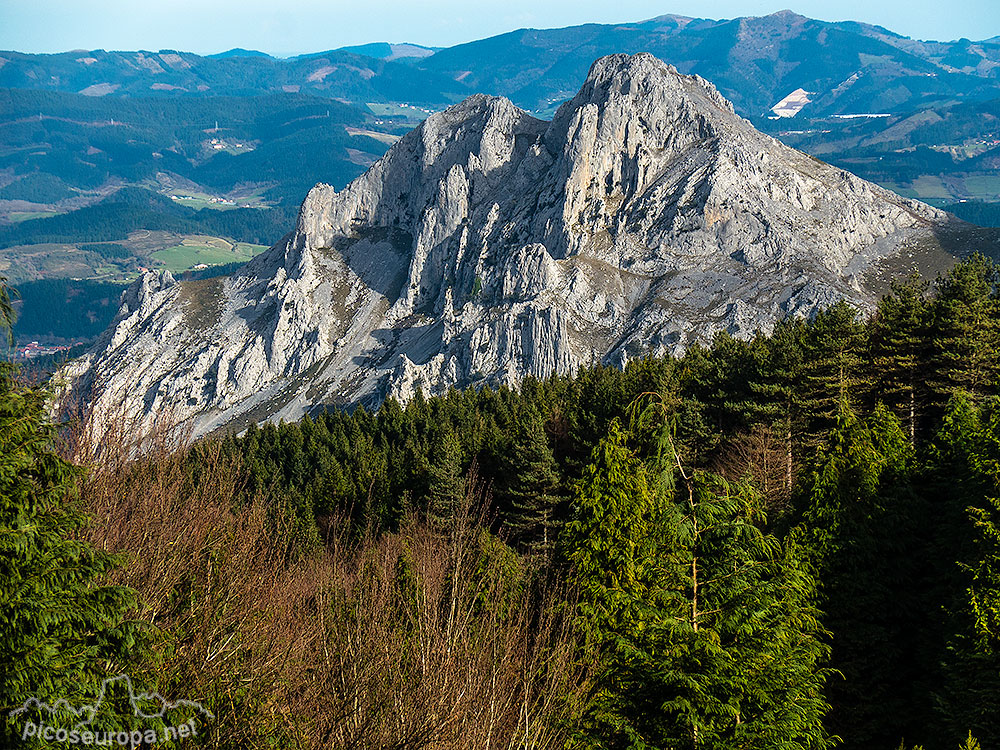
487,245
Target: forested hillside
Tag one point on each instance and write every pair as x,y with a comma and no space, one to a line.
775,542
130,209
856,456
61,145
151,174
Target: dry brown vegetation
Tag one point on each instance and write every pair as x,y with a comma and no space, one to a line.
425,638
761,456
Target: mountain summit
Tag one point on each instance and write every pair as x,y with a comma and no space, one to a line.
487,246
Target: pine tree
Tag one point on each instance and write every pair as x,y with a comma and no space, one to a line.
446,486
776,381
831,370
722,379
532,488
898,352
610,545
598,396
702,620
61,630
965,331
7,313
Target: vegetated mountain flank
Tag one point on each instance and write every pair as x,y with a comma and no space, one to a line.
334,74
238,52
81,145
387,51
83,121
487,245
845,67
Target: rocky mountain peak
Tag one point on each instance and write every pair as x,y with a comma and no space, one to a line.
644,76
487,245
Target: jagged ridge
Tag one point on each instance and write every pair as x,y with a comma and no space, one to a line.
487,245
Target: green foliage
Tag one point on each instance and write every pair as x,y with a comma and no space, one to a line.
898,351
608,538
109,250
108,220
888,522
84,150
977,212
965,330
965,456
702,621
860,525
67,308
132,209
8,316
446,488
831,371
532,489
37,187
61,629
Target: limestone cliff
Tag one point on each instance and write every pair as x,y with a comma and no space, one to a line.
487,245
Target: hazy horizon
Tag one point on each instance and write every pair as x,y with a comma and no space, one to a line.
309,26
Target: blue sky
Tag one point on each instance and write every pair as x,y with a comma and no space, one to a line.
296,26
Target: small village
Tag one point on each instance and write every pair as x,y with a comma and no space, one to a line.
35,349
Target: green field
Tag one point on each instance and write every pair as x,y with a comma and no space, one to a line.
198,203
395,110
983,186
211,251
898,189
19,216
155,249
931,186
934,190
45,261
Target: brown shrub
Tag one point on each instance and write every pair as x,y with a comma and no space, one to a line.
760,455
419,639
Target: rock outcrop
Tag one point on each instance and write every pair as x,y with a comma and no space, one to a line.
487,246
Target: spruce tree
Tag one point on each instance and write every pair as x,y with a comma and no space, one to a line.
7,314
722,378
610,545
776,381
831,371
898,352
532,488
965,331
965,456
446,485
